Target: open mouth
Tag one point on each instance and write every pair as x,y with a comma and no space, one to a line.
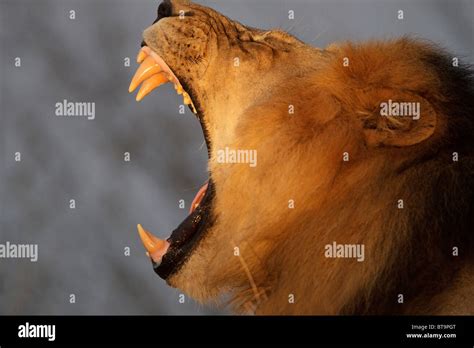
169,255
152,73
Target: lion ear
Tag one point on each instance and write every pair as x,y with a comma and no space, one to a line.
399,121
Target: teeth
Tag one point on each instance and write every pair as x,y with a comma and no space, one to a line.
152,73
186,99
147,69
178,89
150,242
141,56
144,52
150,84
154,246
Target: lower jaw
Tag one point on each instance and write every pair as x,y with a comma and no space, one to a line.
187,236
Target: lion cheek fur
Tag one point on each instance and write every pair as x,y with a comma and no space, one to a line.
301,158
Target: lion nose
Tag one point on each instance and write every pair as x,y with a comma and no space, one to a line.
164,10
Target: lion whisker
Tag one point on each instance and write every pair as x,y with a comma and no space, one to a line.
249,276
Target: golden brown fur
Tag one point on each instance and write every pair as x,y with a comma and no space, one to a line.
300,158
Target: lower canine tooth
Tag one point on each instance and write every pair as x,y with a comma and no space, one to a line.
154,246
150,84
150,242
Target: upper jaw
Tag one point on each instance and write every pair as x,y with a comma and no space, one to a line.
155,66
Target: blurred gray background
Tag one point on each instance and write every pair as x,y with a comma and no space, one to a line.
81,251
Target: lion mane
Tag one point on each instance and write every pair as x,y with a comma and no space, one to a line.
332,169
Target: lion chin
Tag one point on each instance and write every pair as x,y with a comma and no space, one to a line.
340,179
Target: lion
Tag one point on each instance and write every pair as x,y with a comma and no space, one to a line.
360,197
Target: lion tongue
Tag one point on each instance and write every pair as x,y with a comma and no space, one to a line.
198,198
155,246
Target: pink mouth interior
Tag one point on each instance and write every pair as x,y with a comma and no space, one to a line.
159,253
162,64
198,198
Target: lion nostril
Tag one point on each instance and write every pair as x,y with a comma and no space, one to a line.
164,10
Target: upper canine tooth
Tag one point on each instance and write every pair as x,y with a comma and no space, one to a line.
150,84
147,69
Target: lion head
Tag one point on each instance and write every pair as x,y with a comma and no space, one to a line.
315,154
